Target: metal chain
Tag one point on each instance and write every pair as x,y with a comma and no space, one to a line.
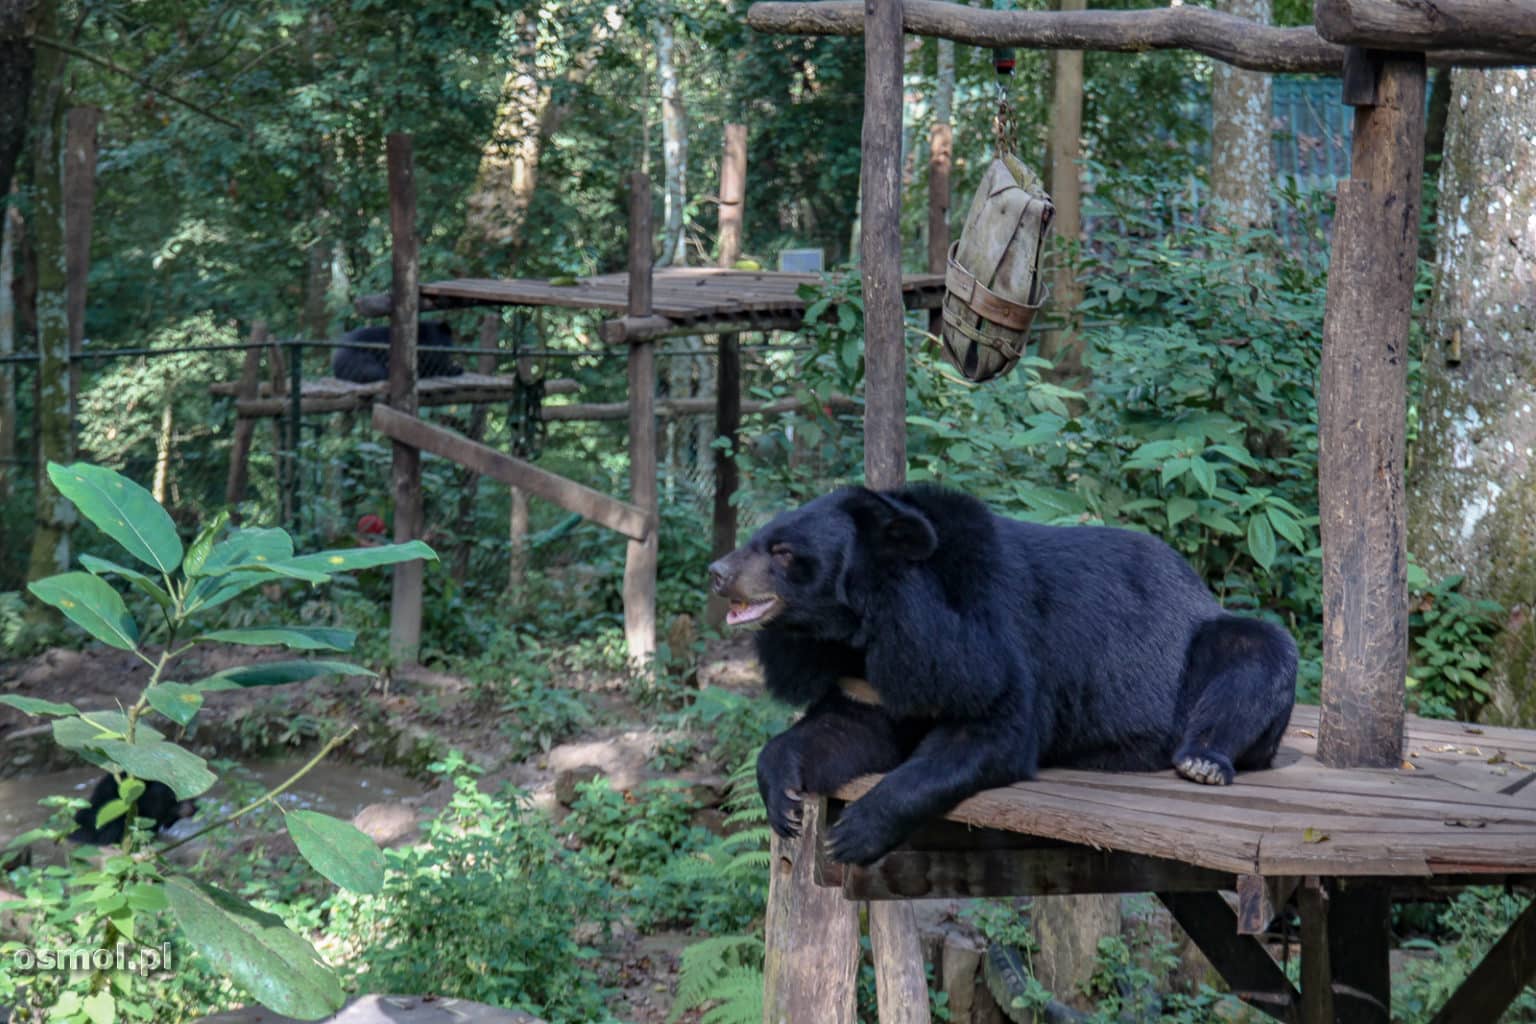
1006,129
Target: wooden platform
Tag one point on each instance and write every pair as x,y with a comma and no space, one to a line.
329,394
1464,804
689,299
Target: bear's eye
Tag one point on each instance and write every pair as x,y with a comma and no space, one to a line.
782,554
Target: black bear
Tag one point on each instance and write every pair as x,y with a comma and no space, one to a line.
366,365
158,803
956,650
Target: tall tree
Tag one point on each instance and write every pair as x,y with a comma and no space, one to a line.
1472,490
18,24
1241,164
1064,180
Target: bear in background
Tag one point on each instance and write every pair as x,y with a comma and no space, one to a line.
366,365
991,648
158,803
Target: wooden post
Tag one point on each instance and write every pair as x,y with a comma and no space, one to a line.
1065,147
901,992
885,353
1362,423
517,538
405,467
1360,935
733,194
245,427
79,205
640,558
941,141
811,934
1316,970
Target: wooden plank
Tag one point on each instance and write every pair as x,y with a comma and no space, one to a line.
1252,973
994,874
885,349
1316,971
328,395
405,464
1506,25
1362,422
811,935
1499,977
621,517
641,554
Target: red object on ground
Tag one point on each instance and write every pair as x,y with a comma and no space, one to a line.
370,523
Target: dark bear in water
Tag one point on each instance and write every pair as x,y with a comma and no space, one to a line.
366,365
958,650
158,803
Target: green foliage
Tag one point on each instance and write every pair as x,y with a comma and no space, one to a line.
253,947
1468,927
1452,637
489,906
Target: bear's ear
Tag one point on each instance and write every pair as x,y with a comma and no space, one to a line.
894,528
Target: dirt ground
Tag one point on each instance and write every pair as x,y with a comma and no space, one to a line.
405,720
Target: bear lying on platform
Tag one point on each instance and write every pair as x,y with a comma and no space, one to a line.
366,365
991,648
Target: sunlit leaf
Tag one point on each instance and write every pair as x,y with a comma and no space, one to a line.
337,850
122,510
90,603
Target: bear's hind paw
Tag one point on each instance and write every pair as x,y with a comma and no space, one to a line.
1206,769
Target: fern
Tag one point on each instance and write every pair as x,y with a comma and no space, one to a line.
740,992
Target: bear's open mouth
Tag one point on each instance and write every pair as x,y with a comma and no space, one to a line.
757,612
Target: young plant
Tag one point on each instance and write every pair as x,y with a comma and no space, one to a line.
254,948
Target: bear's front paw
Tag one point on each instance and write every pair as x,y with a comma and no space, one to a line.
784,811
779,783
861,837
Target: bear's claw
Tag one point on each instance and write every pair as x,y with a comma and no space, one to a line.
1208,771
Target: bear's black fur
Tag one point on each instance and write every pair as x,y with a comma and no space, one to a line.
158,803
995,647
366,365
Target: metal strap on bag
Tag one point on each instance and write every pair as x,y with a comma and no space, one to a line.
983,301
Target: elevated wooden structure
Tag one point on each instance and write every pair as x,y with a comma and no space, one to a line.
330,394
1375,830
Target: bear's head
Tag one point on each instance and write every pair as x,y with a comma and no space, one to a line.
810,570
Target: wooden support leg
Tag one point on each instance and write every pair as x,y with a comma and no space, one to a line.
640,558
1495,982
901,986
811,965
1359,941
1316,969
245,428
727,425
1251,972
405,470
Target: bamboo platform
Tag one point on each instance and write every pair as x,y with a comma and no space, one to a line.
685,300
1462,808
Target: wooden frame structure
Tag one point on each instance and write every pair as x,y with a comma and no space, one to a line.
1381,49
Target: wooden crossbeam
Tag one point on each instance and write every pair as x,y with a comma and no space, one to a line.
1501,976
1251,972
617,515
1507,25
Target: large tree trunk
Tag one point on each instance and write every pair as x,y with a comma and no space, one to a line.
1472,489
10,228
1064,346
674,149
54,516
1241,164
18,24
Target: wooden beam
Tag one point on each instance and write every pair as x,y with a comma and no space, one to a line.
631,521
1056,870
1359,949
1316,971
668,408
885,329
733,202
811,934
901,984
640,556
1242,962
1362,425
1227,38
1499,977
245,429
362,396
1507,25
405,462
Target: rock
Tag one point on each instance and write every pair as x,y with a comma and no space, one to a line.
386,824
390,1010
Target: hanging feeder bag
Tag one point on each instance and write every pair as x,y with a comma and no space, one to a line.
992,285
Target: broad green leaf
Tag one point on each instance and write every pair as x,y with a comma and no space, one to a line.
175,701
1261,540
1173,469
122,510
90,603
276,673
212,591
202,544
111,811
1213,520
337,850
300,638
159,761
1204,474
100,1006
1060,504
101,566
280,969
260,546
1180,509
39,707
348,559
75,733
146,896
1286,527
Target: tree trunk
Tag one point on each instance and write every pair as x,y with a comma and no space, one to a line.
1472,490
18,57
55,516
1241,164
163,452
10,227
674,150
